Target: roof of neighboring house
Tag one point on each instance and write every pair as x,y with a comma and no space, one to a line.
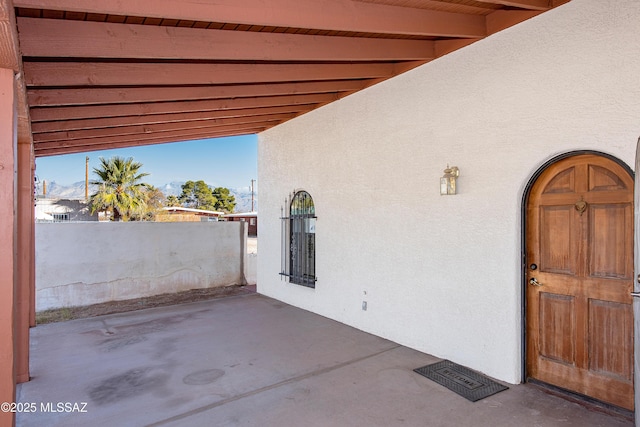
191,210
241,215
43,216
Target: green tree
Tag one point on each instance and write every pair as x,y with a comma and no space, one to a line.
197,195
226,201
119,188
172,201
154,202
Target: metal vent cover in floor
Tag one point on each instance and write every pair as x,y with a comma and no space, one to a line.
463,381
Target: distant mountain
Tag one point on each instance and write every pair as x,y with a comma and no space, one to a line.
174,188
243,199
54,190
75,191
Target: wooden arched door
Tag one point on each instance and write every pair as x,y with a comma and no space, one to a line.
579,252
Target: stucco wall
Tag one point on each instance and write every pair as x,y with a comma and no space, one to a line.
442,274
87,263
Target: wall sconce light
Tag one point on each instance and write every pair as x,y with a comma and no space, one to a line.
448,181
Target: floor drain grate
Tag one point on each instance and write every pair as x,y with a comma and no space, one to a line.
467,383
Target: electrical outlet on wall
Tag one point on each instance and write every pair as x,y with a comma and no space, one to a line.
364,305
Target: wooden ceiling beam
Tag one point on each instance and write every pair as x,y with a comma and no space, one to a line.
115,110
444,47
168,135
522,4
85,39
331,15
171,74
91,96
156,127
502,19
110,122
42,152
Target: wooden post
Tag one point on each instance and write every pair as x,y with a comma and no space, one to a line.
25,214
8,155
32,260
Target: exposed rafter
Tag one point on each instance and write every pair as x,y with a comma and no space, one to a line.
97,111
78,39
58,74
109,95
108,73
154,129
330,15
136,142
112,122
139,137
524,4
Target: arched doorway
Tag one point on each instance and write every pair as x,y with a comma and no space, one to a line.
579,276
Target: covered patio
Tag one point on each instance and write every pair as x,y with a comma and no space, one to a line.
384,93
252,360
84,76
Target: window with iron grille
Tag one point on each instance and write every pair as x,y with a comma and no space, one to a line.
299,240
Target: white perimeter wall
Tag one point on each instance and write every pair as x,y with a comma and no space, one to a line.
87,263
442,274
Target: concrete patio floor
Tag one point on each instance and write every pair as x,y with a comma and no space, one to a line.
254,361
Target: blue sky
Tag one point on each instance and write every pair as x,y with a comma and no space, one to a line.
227,162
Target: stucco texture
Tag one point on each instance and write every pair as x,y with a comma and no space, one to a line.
443,274
88,263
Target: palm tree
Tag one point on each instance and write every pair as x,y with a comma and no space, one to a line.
119,188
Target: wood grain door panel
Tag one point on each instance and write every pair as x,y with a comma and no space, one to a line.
603,179
609,351
559,240
609,226
557,327
579,319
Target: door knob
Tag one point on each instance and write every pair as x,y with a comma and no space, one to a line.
533,281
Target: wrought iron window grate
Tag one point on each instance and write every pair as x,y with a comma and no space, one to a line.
298,240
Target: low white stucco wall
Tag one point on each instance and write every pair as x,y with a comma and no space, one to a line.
251,261
443,274
251,269
87,263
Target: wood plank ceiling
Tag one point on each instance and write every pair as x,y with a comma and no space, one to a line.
109,73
